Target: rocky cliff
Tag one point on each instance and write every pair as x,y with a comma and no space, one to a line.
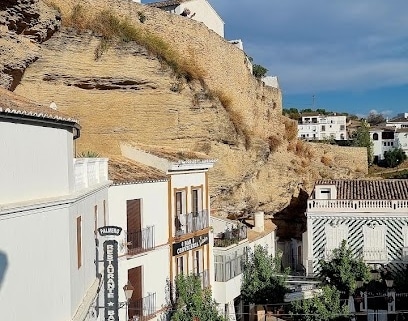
127,92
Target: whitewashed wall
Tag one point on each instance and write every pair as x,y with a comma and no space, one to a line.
154,207
35,246
36,162
203,13
82,279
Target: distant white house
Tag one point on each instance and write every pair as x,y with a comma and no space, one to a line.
401,121
314,126
232,240
271,81
51,205
383,139
199,10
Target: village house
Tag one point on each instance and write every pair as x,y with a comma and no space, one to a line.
232,241
371,215
313,126
160,197
199,10
51,205
138,202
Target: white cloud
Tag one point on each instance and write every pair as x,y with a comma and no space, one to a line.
323,45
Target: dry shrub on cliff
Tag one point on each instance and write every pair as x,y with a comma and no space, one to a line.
303,150
274,142
111,29
326,160
291,129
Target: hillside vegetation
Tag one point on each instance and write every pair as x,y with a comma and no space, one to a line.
132,73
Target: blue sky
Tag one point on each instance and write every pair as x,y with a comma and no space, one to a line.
352,56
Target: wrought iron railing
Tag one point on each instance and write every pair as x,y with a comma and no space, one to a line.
142,309
231,236
141,241
191,222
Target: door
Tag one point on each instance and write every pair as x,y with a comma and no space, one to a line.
134,226
135,307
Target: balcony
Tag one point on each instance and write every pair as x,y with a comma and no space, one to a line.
357,205
231,236
375,255
192,222
142,309
89,172
140,241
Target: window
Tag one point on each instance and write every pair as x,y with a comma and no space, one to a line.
392,143
385,143
323,128
196,263
341,127
104,213
375,136
96,220
197,199
79,241
180,265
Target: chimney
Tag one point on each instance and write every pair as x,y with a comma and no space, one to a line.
259,222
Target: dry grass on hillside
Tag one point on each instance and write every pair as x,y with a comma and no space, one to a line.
112,29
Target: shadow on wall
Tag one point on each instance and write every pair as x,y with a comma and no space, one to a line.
3,266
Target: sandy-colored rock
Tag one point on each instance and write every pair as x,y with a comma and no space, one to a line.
129,95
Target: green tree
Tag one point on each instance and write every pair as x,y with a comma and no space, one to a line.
375,118
262,281
361,138
259,71
394,157
342,270
192,302
325,307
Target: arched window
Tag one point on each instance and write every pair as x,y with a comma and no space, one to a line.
375,136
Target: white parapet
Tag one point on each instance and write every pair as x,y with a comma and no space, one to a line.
89,172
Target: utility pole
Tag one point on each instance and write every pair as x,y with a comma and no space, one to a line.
313,102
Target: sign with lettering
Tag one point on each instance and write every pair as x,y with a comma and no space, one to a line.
189,244
110,262
109,230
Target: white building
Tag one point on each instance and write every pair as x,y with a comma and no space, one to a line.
232,240
384,140
199,10
401,121
320,127
50,207
160,197
271,81
138,202
372,216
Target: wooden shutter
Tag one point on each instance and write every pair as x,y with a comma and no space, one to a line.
79,241
135,302
134,223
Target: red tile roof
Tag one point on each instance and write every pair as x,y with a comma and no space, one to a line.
13,104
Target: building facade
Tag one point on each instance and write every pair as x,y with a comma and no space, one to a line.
321,127
232,241
51,205
372,216
184,201
199,10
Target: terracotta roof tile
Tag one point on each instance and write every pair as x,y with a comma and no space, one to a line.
125,171
11,103
390,189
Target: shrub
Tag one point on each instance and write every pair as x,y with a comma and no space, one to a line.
259,71
291,129
394,157
326,161
274,142
88,154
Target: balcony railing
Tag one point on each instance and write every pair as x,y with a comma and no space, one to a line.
192,222
89,172
231,236
375,254
142,309
356,205
227,268
141,241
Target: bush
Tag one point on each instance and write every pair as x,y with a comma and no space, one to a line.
259,71
291,129
274,142
394,157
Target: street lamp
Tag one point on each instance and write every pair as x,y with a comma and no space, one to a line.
128,289
374,274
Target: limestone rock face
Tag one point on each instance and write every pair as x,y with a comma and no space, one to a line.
130,95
